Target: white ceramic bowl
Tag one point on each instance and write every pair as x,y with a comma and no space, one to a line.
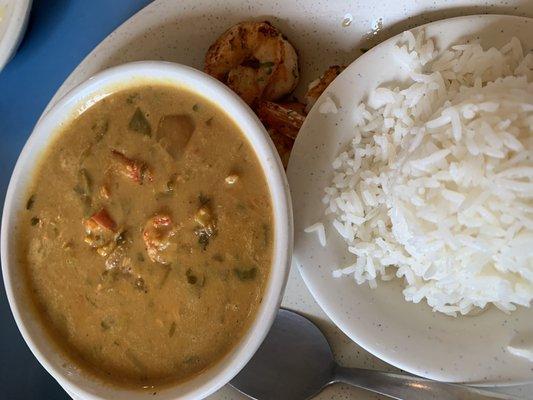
13,20
70,377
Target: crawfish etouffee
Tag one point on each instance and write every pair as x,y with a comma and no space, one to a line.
147,236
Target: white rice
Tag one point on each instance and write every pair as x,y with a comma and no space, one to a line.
437,185
320,231
328,106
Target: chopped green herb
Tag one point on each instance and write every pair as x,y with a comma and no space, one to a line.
295,72
267,64
132,97
245,274
172,329
192,360
170,186
135,361
268,67
191,278
140,257
140,285
165,276
139,123
171,183
91,301
35,221
203,199
29,203
107,323
195,107
83,188
163,195
121,238
100,128
203,238
266,234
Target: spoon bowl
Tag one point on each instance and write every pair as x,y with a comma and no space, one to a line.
294,348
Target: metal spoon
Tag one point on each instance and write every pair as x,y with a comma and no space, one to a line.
295,363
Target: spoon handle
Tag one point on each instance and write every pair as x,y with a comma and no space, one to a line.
409,387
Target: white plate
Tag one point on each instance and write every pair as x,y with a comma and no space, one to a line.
409,336
13,19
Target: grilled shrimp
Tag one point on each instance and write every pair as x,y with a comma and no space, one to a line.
284,118
135,170
317,87
255,61
157,235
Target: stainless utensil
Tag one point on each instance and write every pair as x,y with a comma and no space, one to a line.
295,362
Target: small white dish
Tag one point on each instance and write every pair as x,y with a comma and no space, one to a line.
68,375
409,336
13,20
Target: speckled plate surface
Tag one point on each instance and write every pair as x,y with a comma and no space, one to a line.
182,30
409,336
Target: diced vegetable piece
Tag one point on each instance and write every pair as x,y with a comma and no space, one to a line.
204,216
174,132
103,219
139,123
232,179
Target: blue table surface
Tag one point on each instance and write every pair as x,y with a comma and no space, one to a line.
60,34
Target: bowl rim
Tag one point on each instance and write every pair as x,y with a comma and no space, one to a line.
15,28
123,76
